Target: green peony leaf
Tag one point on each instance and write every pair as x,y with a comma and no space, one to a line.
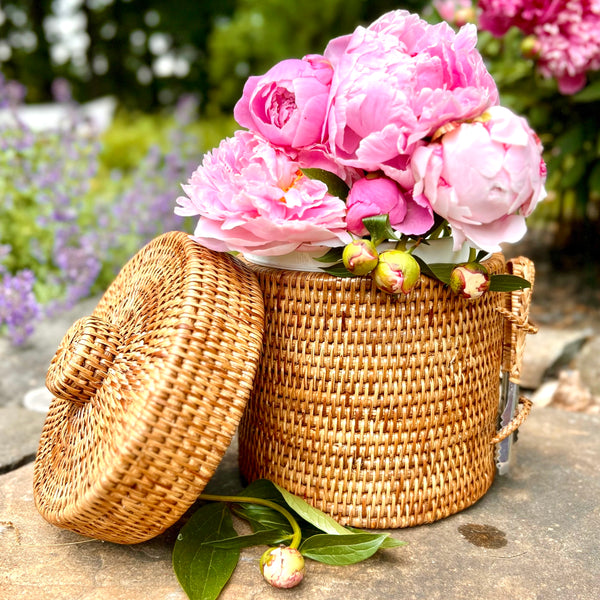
338,270
262,518
342,549
391,542
379,228
333,255
268,537
203,570
313,515
507,283
439,271
335,185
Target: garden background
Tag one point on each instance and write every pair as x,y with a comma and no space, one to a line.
76,203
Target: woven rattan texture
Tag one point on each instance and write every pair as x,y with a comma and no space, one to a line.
149,392
378,410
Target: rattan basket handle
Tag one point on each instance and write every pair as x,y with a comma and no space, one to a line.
516,313
83,359
523,411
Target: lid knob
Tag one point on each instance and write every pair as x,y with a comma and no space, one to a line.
83,359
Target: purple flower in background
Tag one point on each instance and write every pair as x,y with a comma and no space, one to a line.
59,229
18,307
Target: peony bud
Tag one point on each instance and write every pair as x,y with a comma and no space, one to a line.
531,47
470,280
396,272
360,257
282,567
462,16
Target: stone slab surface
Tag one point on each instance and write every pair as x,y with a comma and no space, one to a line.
534,536
19,436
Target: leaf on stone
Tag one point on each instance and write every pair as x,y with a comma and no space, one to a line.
313,515
342,549
203,570
262,518
265,537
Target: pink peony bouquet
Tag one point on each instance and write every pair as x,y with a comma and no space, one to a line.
395,133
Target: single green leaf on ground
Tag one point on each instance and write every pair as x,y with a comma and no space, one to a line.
389,542
266,537
262,518
508,283
262,488
313,515
203,571
343,549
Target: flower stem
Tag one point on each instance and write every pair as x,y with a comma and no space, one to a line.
296,532
472,254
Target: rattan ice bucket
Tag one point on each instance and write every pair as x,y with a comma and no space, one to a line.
381,411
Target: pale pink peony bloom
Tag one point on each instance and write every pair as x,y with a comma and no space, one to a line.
484,177
498,16
569,46
372,196
398,81
287,105
251,197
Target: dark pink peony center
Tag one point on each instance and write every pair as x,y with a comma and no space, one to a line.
281,107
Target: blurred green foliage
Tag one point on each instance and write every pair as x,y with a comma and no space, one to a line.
264,32
149,52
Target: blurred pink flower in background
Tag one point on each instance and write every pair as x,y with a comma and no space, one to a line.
570,45
564,33
484,177
251,197
498,16
372,196
398,81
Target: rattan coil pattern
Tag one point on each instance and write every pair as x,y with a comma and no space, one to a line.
378,410
149,391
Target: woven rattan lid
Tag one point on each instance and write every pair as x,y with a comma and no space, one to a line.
149,390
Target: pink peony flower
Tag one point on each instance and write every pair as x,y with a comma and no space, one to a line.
484,177
569,46
498,16
372,196
398,81
287,105
251,197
